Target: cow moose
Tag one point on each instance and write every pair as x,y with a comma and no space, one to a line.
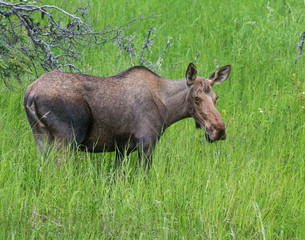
125,112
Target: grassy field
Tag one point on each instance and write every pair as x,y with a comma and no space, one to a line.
250,186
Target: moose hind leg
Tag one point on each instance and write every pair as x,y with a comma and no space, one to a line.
42,136
61,123
43,140
68,135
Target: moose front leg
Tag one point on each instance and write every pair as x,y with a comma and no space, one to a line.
145,147
119,155
122,151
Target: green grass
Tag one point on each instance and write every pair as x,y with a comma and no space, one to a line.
250,186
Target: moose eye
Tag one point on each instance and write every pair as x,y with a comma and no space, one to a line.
196,99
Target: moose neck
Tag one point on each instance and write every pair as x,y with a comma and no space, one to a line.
174,97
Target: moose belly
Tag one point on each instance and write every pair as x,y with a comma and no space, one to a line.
108,143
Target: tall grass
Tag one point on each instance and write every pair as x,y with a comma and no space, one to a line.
250,186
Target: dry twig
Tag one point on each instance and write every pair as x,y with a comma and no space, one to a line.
128,44
56,36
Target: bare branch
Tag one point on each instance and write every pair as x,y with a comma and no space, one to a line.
196,57
53,38
300,45
128,44
145,45
164,50
302,36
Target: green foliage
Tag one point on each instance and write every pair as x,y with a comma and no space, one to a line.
13,64
299,87
250,186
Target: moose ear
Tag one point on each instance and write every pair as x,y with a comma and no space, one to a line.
191,74
220,75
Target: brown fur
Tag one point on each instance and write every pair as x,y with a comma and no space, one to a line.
127,111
